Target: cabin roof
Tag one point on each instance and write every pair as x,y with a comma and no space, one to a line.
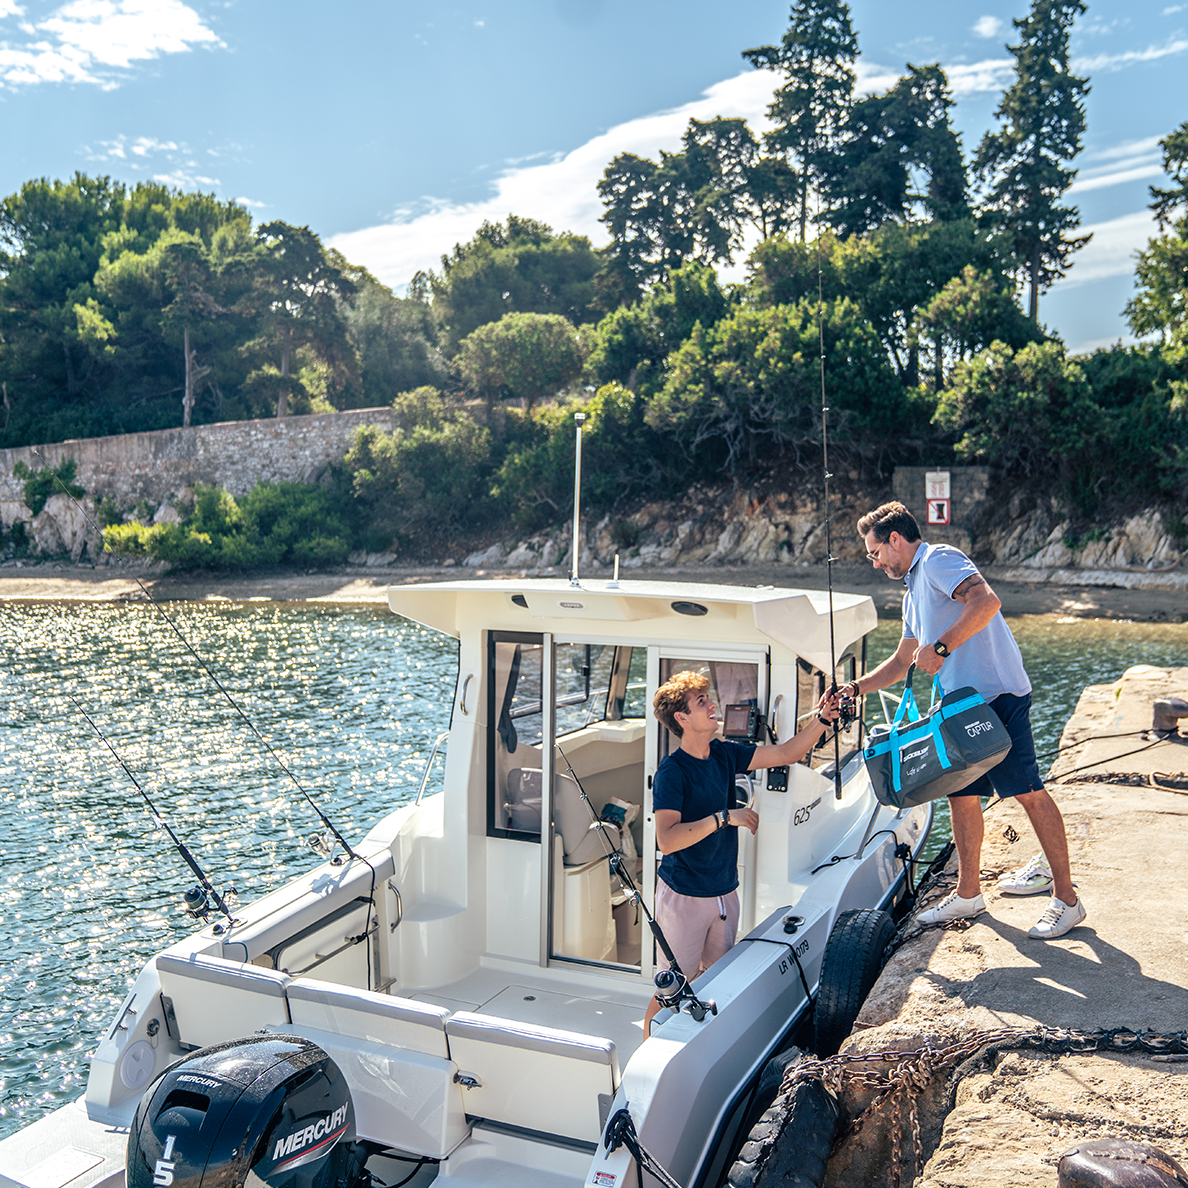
796,619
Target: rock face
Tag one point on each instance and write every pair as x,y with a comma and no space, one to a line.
62,527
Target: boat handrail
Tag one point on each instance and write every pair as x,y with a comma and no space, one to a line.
429,763
884,697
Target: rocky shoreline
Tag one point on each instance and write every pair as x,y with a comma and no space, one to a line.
1144,597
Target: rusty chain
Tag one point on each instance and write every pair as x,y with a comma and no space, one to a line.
899,1077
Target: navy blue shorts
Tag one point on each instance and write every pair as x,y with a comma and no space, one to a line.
1018,773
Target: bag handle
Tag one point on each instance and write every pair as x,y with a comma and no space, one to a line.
907,703
938,692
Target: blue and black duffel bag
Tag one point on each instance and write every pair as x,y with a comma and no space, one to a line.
922,757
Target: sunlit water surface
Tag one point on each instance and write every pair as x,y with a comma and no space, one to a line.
351,699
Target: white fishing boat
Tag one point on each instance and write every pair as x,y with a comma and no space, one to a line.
477,971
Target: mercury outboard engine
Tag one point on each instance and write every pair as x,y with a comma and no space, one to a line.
272,1108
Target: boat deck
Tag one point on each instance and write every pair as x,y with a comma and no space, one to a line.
548,1000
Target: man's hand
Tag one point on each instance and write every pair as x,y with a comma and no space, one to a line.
827,707
744,818
928,660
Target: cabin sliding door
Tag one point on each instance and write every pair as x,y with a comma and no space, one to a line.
739,682
599,705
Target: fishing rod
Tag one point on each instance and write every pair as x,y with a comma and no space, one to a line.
196,900
845,711
218,684
672,986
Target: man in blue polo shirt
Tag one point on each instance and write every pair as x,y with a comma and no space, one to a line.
697,821
953,625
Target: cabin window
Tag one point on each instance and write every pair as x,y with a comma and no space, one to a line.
731,684
515,725
810,685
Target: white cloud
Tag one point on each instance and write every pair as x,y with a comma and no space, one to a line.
1115,178
10,8
974,78
1130,160
988,26
88,41
251,202
1172,9
562,192
1111,62
171,162
1111,250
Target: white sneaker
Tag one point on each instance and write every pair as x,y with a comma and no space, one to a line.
952,907
1059,918
1032,879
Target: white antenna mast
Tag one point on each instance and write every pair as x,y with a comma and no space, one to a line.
579,420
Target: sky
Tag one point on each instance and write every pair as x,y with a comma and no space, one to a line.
393,128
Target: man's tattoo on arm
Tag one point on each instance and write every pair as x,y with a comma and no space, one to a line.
962,591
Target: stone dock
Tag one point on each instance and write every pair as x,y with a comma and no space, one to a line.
1004,1117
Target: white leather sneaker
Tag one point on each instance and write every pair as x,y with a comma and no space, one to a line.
1058,918
952,907
1034,878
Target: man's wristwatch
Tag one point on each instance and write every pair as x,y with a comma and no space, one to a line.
941,650
725,815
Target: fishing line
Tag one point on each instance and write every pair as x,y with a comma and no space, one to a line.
362,939
205,668
837,780
158,820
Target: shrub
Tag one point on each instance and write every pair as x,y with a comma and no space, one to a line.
428,477
39,485
276,523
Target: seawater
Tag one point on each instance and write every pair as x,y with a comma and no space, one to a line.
350,699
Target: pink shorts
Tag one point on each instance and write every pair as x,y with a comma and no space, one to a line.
699,931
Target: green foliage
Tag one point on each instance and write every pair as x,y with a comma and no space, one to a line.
524,356
1030,410
753,382
520,267
816,57
393,338
1172,203
631,344
39,485
275,523
885,140
422,481
621,456
1043,120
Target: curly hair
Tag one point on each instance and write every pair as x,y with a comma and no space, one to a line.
888,518
672,698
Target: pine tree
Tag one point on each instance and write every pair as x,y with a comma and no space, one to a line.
1025,162
816,54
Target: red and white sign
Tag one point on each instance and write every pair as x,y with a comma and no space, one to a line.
938,511
936,485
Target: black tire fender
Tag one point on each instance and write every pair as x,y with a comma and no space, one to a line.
788,1147
852,961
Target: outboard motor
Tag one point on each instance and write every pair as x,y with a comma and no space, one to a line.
270,1109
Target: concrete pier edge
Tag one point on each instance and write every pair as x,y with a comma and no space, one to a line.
1003,1116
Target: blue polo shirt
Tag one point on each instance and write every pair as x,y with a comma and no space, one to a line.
696,788
990,661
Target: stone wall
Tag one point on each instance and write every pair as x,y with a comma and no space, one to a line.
968,487
159,466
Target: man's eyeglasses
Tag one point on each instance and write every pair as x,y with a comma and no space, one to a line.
875,555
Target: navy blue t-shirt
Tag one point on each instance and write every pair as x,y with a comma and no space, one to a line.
696,788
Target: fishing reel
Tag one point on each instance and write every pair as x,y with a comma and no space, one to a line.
196,902
847,710
672,988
